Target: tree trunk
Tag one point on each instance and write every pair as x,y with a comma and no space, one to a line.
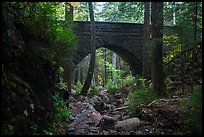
89,76
146,48
157,41
68,66
76,74
174,13
105,68
93,81
96,72
193,51
118,63
114,66
81,73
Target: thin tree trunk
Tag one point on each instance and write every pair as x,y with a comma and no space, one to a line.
89,76
146,48
73,76
193,51
114,66
96,72
93,81
68,66
76,75
118,63
182,66
174,13
81,73
105,68
157,39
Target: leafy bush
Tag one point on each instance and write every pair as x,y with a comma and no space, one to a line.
61,70
94,90
127,81
45,21
137,99
34,128
61,114
191,112
78,86
110,86
136,83
61,110
62,84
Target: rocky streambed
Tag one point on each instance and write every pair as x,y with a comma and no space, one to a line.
104,114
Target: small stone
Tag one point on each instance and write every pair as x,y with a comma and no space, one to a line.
109,119
71,129
94,129
147,130
113,132
71,117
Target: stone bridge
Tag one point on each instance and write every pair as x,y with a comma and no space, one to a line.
125,39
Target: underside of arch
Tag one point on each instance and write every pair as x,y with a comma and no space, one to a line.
134,63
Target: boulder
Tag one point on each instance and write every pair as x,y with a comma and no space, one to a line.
97,103
109,119
128,124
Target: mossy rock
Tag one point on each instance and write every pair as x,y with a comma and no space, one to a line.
16,84
14,79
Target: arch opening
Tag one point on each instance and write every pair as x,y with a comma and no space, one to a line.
134,63
123,56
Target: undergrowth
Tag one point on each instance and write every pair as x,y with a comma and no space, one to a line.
191,112
61,115
140,96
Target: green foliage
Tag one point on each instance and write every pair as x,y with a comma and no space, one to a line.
61,69
62,84
112,69
48,132
136,83
62,48
122,11
44,21
138,99
78,86
171,47
110,86
191,112
82,12
7,130
118,73
34,128
94,90
128,80
61,114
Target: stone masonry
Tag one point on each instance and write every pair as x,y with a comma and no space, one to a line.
126,39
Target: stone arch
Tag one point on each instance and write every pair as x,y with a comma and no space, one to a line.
125,39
